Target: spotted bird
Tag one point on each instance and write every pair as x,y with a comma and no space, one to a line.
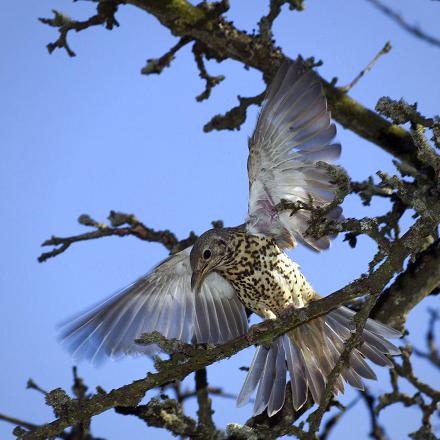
199,295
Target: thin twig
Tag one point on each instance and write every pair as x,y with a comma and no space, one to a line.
206,424
163,413
377,431
383,51
116,228
412,29
433,354
157,65
18,422
265,24
234,118
405,370
105,15
210,81
331,423
31,385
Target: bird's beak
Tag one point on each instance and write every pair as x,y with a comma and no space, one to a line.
197,279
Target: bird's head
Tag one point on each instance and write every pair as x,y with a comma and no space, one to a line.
210,252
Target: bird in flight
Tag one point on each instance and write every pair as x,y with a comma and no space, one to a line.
200,295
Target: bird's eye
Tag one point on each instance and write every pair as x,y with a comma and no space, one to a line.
207,254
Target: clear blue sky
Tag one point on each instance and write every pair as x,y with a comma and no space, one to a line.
90,134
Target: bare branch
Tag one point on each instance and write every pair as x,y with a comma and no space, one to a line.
216,38
156,65
181,364
117,228
421,277
211,81
203,23
234,118
424,391
412,29
331,423
105,15
433,354
31,385
377,431
400,112
18,422
368,189
383,51
206,424
163,413
406,371
266,23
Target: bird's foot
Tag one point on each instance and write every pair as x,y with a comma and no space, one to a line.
285,313
258,329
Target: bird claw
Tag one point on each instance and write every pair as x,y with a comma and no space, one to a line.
287,311
257,329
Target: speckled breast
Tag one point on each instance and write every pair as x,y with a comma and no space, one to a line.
265,278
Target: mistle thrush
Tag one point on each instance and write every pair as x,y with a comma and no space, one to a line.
199,295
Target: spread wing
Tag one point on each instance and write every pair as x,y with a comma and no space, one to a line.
293,133
161,301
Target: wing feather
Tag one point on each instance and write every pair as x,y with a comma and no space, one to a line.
161,301
293,133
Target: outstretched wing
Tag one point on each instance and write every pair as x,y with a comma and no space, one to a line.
161,301
293,133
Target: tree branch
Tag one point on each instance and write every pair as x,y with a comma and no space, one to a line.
353,342
329,425
234,118
18,422
419,280
205,412
105,15
117,228
433,354
204,24
156,65
383,51
182,364
423,391
377,431
163,413
412,29
211,81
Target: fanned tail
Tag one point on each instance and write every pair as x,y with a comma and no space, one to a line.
309,353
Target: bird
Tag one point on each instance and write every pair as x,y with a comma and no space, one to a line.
201,294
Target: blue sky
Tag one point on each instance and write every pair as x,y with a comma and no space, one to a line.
90,134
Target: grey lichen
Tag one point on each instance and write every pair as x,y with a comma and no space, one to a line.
242,432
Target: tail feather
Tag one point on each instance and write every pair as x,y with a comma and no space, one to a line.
353,379
379,343
277,395
358,364
314,376
334,355
371,325
298,381
254,375
309,353
375,356
267,380
356,360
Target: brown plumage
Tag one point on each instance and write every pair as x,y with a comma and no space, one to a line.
198,295
267,281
